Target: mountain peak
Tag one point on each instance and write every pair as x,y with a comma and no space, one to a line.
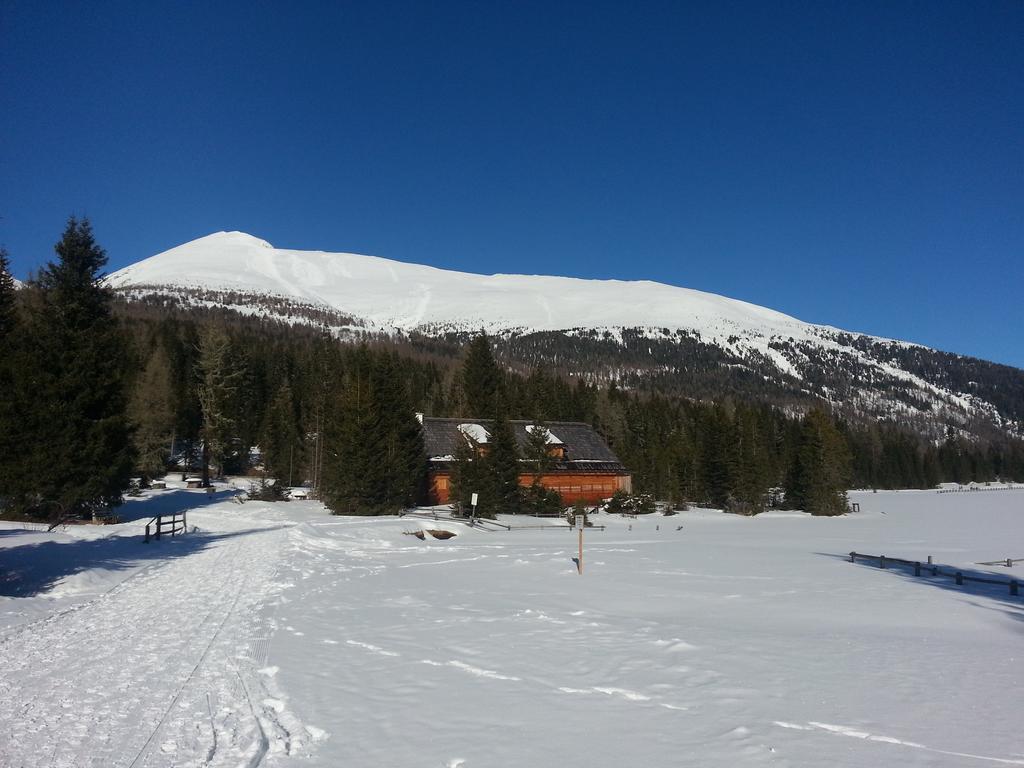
232,236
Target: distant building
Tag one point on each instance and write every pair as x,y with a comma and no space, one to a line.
583,467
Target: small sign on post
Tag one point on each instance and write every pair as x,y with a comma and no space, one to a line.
472,519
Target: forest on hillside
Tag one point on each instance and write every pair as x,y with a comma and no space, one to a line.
98,391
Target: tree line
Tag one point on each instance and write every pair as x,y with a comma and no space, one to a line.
97,391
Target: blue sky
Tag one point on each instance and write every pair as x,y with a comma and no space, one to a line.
856,164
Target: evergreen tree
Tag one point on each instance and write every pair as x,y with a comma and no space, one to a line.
151,415
281,441
503,468
820,475
470,475
7,297
538,450
374,454
403,450
481,379
219,378
9,421
537,499
80,455
719,456
752,470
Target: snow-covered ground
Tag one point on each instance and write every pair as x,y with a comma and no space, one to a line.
278,634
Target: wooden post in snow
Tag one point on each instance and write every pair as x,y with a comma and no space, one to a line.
579,563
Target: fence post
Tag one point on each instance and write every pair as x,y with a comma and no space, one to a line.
184,522
158,526
959,579
1014,590
853,557
881,562
917,569
1009,563
147,534
929,559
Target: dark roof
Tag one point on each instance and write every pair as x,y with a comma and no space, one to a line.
581,442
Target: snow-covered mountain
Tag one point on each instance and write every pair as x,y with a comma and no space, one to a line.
353,294
390,294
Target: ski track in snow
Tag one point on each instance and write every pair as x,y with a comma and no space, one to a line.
161,670
856,733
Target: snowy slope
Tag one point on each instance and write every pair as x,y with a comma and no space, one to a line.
347,292
410,296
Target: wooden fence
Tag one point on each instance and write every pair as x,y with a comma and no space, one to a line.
162,524
930,569
979,488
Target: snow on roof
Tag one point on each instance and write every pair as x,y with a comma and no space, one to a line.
475,432
443,437
552,438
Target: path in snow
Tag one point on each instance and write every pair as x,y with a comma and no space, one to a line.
162,670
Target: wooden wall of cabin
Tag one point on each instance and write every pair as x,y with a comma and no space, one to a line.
588,488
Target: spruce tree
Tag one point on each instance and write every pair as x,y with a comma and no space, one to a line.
481,379
219,377
503,468
281,441
538,450
537,499
7,297
752,470
820,475
9,421
469,475
151,414
374,446
80,456
403,452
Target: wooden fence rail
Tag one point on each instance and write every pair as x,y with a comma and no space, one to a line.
930,568
174,524
976,489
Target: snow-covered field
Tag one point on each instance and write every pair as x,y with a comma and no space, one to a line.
277,634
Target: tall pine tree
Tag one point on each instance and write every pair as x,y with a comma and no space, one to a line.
150,410
9,421
374,455
502,462
218,377
80,457
481,379
281,441
820,474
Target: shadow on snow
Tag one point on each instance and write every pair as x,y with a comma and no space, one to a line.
37,566
998,594
170,502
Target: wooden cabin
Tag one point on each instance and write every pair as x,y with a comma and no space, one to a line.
583,469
